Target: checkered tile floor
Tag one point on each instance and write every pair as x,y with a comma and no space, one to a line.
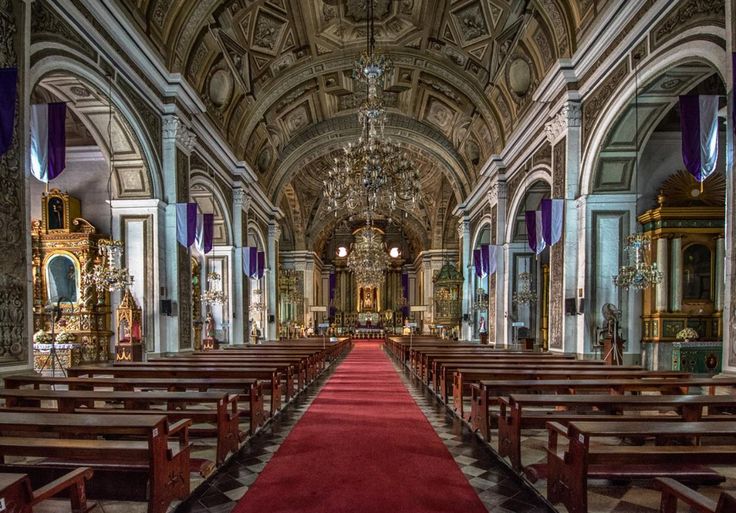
498,488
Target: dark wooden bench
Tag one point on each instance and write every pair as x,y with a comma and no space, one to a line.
486,393
515,414
18,496
569,469
222,413
250,392
269,374
152,469
463,378
674,491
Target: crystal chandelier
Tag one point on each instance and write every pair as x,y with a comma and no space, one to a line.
373,175
524,293
257,304
368,261
638,274
214,294
108,275
481,300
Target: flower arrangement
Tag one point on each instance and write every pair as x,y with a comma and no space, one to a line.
41,337
687,334
65,337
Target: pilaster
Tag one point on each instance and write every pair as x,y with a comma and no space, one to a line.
464,234
274,233
241,292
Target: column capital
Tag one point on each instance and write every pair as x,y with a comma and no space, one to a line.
567,117
274,230
242,198
175,128
496,192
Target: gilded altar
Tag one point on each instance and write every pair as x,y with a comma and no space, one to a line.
448,284
687,244
64,252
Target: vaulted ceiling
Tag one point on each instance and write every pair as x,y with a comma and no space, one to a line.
276,78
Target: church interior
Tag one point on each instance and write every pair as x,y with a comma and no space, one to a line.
367,256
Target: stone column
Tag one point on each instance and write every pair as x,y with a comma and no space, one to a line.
720,257
274,232
563,132
177,145
676,275
497,197
428,299
16,295
729,299
241,293
661,297
466,333
308,292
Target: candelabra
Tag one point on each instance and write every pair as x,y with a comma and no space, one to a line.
108,274
638,274
525,293
481,300
368,259
214,294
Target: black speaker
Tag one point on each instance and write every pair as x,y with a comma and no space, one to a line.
581,305
570,306
466,317
271,318
166,307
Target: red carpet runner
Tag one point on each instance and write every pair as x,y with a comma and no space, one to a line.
362,447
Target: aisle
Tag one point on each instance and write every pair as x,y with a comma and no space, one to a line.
362,447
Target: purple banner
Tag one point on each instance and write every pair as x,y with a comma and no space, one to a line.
57,139
690,127
8,91
405,293
530,216
332,286
552,215
477,263
186,223
485,259
261,264
208,228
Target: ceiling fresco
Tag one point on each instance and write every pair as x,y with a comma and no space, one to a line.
276,79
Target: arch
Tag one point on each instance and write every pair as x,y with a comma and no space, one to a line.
484,221
258,233
539,174
197,180
51,64
675,54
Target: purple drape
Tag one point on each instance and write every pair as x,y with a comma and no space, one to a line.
405,293
332,286
477,263
485,259
552,214
8,90
261,264
690,127
530,216
209,231
57,140
186,223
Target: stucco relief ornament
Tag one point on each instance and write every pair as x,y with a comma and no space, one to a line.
569,116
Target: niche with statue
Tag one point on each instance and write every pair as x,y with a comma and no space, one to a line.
64,254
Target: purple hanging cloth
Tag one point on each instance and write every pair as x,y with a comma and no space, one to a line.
477,263
699,126
530,216
405,293
208,229
261,264
8,97
485,259
186,223
552,215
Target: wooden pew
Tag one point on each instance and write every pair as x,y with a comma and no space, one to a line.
569,470
269,374
515,417
222,413
18,496
672,491
463,378
152,468
486,393
250,392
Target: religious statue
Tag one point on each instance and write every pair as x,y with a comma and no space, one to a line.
482,325
209,326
